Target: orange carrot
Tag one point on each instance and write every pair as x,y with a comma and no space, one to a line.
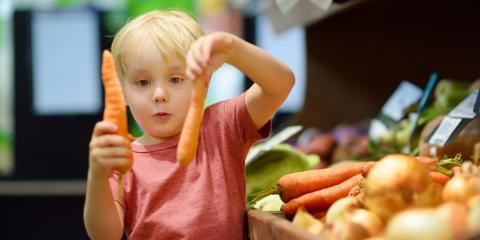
444,166
297,184
188,143
439,178
428,161
357,189
322,199
319,215
115,106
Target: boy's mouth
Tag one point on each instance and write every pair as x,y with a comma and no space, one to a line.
161,115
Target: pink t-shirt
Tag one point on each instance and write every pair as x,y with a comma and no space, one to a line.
205,200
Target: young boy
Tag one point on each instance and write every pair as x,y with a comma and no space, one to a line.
158,55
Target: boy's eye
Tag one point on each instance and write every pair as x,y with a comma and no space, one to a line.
143,82
175,79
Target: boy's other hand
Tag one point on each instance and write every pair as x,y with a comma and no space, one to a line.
208,53
108,151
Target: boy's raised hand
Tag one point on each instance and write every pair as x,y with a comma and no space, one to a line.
108,151
208,53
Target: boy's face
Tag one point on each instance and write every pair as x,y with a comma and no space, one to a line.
157,92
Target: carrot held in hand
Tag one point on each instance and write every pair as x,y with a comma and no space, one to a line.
115,107
188,143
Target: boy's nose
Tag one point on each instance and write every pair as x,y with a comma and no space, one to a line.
160,95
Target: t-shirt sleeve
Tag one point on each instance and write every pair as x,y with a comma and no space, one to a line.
236,118
114,187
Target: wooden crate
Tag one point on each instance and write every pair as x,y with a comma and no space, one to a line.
274,226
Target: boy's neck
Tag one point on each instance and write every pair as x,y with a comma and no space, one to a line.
146,139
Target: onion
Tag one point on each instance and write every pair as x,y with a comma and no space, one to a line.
369,220
306,221
418,224
397,182
455,214
464,185
344,229
340,208
473,218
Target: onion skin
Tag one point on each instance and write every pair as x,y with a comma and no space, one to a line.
347,230
398,182
455,214
367,219
340,208
473,218
418,224
464,185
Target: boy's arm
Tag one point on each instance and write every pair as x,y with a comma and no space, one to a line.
103,217
273,79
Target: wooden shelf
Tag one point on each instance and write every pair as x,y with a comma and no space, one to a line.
264,225
43,188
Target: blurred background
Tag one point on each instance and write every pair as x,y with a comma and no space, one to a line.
348,57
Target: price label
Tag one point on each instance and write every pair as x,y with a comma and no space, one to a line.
444,132
455,121
404,96
468,108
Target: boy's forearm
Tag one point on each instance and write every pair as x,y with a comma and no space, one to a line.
101,217
274,77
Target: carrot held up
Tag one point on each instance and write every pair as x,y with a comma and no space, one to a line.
189,137
115,106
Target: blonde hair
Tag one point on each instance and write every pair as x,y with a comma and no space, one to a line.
171,31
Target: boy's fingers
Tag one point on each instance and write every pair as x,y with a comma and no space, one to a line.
112,152
193,66
206,52
109,140
104,127
198,57
190,75
114,162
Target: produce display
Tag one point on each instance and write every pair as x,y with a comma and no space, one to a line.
366,188
270,166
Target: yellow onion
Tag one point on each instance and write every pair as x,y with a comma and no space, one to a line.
473,218
418,224
397,182
367,219
464,184
344,229
340,208
306,221
455,214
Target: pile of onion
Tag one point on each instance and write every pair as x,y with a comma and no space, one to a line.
398,182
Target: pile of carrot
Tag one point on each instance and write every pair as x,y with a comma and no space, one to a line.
316,190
